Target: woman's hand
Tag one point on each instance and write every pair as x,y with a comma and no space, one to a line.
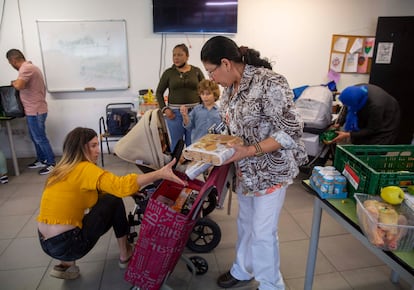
342,136
169,114
165,172
241,152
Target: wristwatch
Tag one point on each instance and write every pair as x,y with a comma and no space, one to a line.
259,151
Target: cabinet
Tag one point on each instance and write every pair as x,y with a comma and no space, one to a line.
393,67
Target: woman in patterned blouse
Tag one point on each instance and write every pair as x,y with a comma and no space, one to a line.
257,105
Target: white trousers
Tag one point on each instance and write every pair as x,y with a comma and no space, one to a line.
257,248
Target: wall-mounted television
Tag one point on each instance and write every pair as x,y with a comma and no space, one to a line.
195,16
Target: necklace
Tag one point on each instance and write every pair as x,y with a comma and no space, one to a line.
181,66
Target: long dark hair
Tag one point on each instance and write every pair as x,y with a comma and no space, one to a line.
219,47
74,152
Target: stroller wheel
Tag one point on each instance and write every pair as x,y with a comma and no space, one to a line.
200,264
209,203
206,235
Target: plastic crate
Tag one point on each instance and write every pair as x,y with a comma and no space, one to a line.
388,237
368,168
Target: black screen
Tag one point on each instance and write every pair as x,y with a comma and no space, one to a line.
195,16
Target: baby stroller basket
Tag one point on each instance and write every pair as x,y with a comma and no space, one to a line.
164,231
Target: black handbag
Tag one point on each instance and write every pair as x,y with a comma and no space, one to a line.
10,102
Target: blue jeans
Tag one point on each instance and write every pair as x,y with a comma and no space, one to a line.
72,245
37,130
177,131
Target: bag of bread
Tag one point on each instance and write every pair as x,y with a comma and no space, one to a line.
212,148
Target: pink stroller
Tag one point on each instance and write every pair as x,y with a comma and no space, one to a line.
147,146
165,232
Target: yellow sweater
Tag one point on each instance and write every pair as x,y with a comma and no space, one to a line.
65,202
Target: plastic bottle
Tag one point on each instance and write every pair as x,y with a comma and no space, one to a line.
327,185
339,184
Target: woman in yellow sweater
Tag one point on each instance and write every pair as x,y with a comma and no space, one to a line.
82,201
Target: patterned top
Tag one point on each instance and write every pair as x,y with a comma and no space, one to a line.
262,108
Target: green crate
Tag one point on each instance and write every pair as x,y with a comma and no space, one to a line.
368,168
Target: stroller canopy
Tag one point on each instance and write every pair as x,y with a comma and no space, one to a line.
147,142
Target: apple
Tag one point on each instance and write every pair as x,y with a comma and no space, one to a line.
392,194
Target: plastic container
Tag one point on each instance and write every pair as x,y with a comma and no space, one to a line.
388,237
370,167
323,180
327,136
340,184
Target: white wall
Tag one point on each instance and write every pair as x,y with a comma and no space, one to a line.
294,34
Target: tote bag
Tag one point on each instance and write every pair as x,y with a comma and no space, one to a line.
163,236
10,102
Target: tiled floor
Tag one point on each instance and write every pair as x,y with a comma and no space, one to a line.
342,263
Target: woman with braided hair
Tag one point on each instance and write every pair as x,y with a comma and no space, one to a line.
257,106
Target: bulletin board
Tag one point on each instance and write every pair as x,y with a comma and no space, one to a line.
351,53
84,55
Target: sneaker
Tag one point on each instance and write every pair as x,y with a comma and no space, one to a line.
36,164
46,170
4,179
65,272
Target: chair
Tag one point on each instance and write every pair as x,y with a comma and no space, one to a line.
125,117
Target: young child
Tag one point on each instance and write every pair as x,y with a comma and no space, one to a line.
204,115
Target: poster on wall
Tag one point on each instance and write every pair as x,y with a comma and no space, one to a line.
351,62
351,53
369,46
337,59
384,52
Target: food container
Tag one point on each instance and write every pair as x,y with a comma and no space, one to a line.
368,168
327,136
328,182
195,168
390,228
212,148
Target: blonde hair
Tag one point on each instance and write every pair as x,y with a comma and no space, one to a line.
74,152
211,86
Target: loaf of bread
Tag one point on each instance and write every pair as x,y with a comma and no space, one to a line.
212,148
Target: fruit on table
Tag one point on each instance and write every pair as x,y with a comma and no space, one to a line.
392,194
410,189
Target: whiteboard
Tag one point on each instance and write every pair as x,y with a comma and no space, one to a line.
84,55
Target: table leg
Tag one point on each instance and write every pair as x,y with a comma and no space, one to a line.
313,244
13,152
395,277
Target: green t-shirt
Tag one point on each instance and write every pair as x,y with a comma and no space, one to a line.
182,87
